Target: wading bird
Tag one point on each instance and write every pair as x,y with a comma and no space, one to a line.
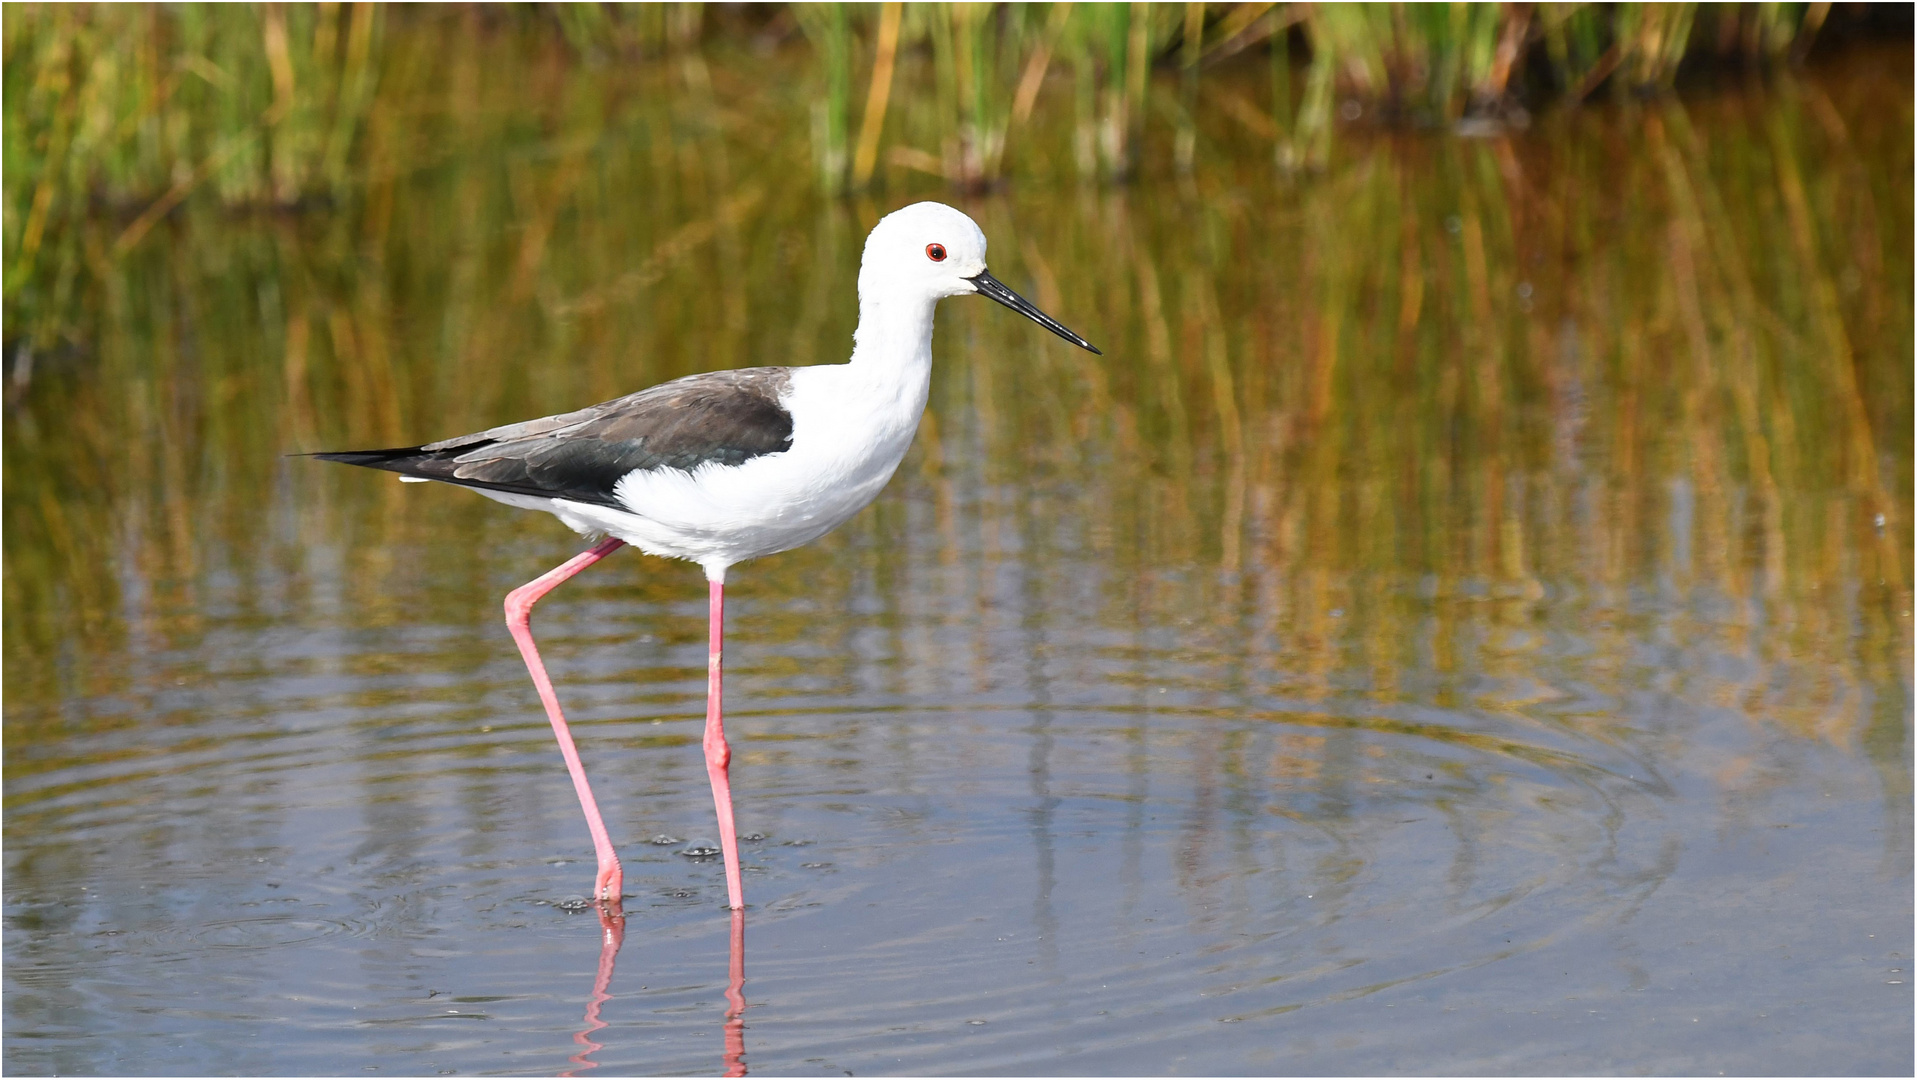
727,466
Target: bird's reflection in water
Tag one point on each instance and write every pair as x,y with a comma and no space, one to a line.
612,926
735,999
612,934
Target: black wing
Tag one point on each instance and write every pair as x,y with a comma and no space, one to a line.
727,417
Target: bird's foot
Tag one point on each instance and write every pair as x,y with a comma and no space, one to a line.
610,884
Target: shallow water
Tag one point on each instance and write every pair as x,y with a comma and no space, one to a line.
1461,625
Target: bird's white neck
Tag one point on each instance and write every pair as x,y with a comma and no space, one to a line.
894,336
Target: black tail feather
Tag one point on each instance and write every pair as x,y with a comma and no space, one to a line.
445,466
404,460
395,460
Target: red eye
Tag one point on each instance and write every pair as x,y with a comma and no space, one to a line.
935,252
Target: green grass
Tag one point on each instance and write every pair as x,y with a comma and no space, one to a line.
119,114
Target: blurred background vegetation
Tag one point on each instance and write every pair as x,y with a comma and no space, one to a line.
1398,302
117,114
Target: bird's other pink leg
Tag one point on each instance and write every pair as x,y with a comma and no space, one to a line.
519,605
718,754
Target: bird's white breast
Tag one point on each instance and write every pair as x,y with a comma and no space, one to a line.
851,426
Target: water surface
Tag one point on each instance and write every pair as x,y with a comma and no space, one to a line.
1462,624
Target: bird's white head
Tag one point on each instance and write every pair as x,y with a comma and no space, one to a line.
928,251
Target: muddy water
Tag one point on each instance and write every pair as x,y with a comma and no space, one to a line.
1461,625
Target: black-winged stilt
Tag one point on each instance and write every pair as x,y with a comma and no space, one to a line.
727,466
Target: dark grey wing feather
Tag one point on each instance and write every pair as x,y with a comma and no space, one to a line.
724,417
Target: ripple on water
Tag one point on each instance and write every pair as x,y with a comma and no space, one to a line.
1094,876
1114,892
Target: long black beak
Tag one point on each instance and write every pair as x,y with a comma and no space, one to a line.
994,288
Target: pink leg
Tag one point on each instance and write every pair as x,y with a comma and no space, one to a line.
718,754
519,603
